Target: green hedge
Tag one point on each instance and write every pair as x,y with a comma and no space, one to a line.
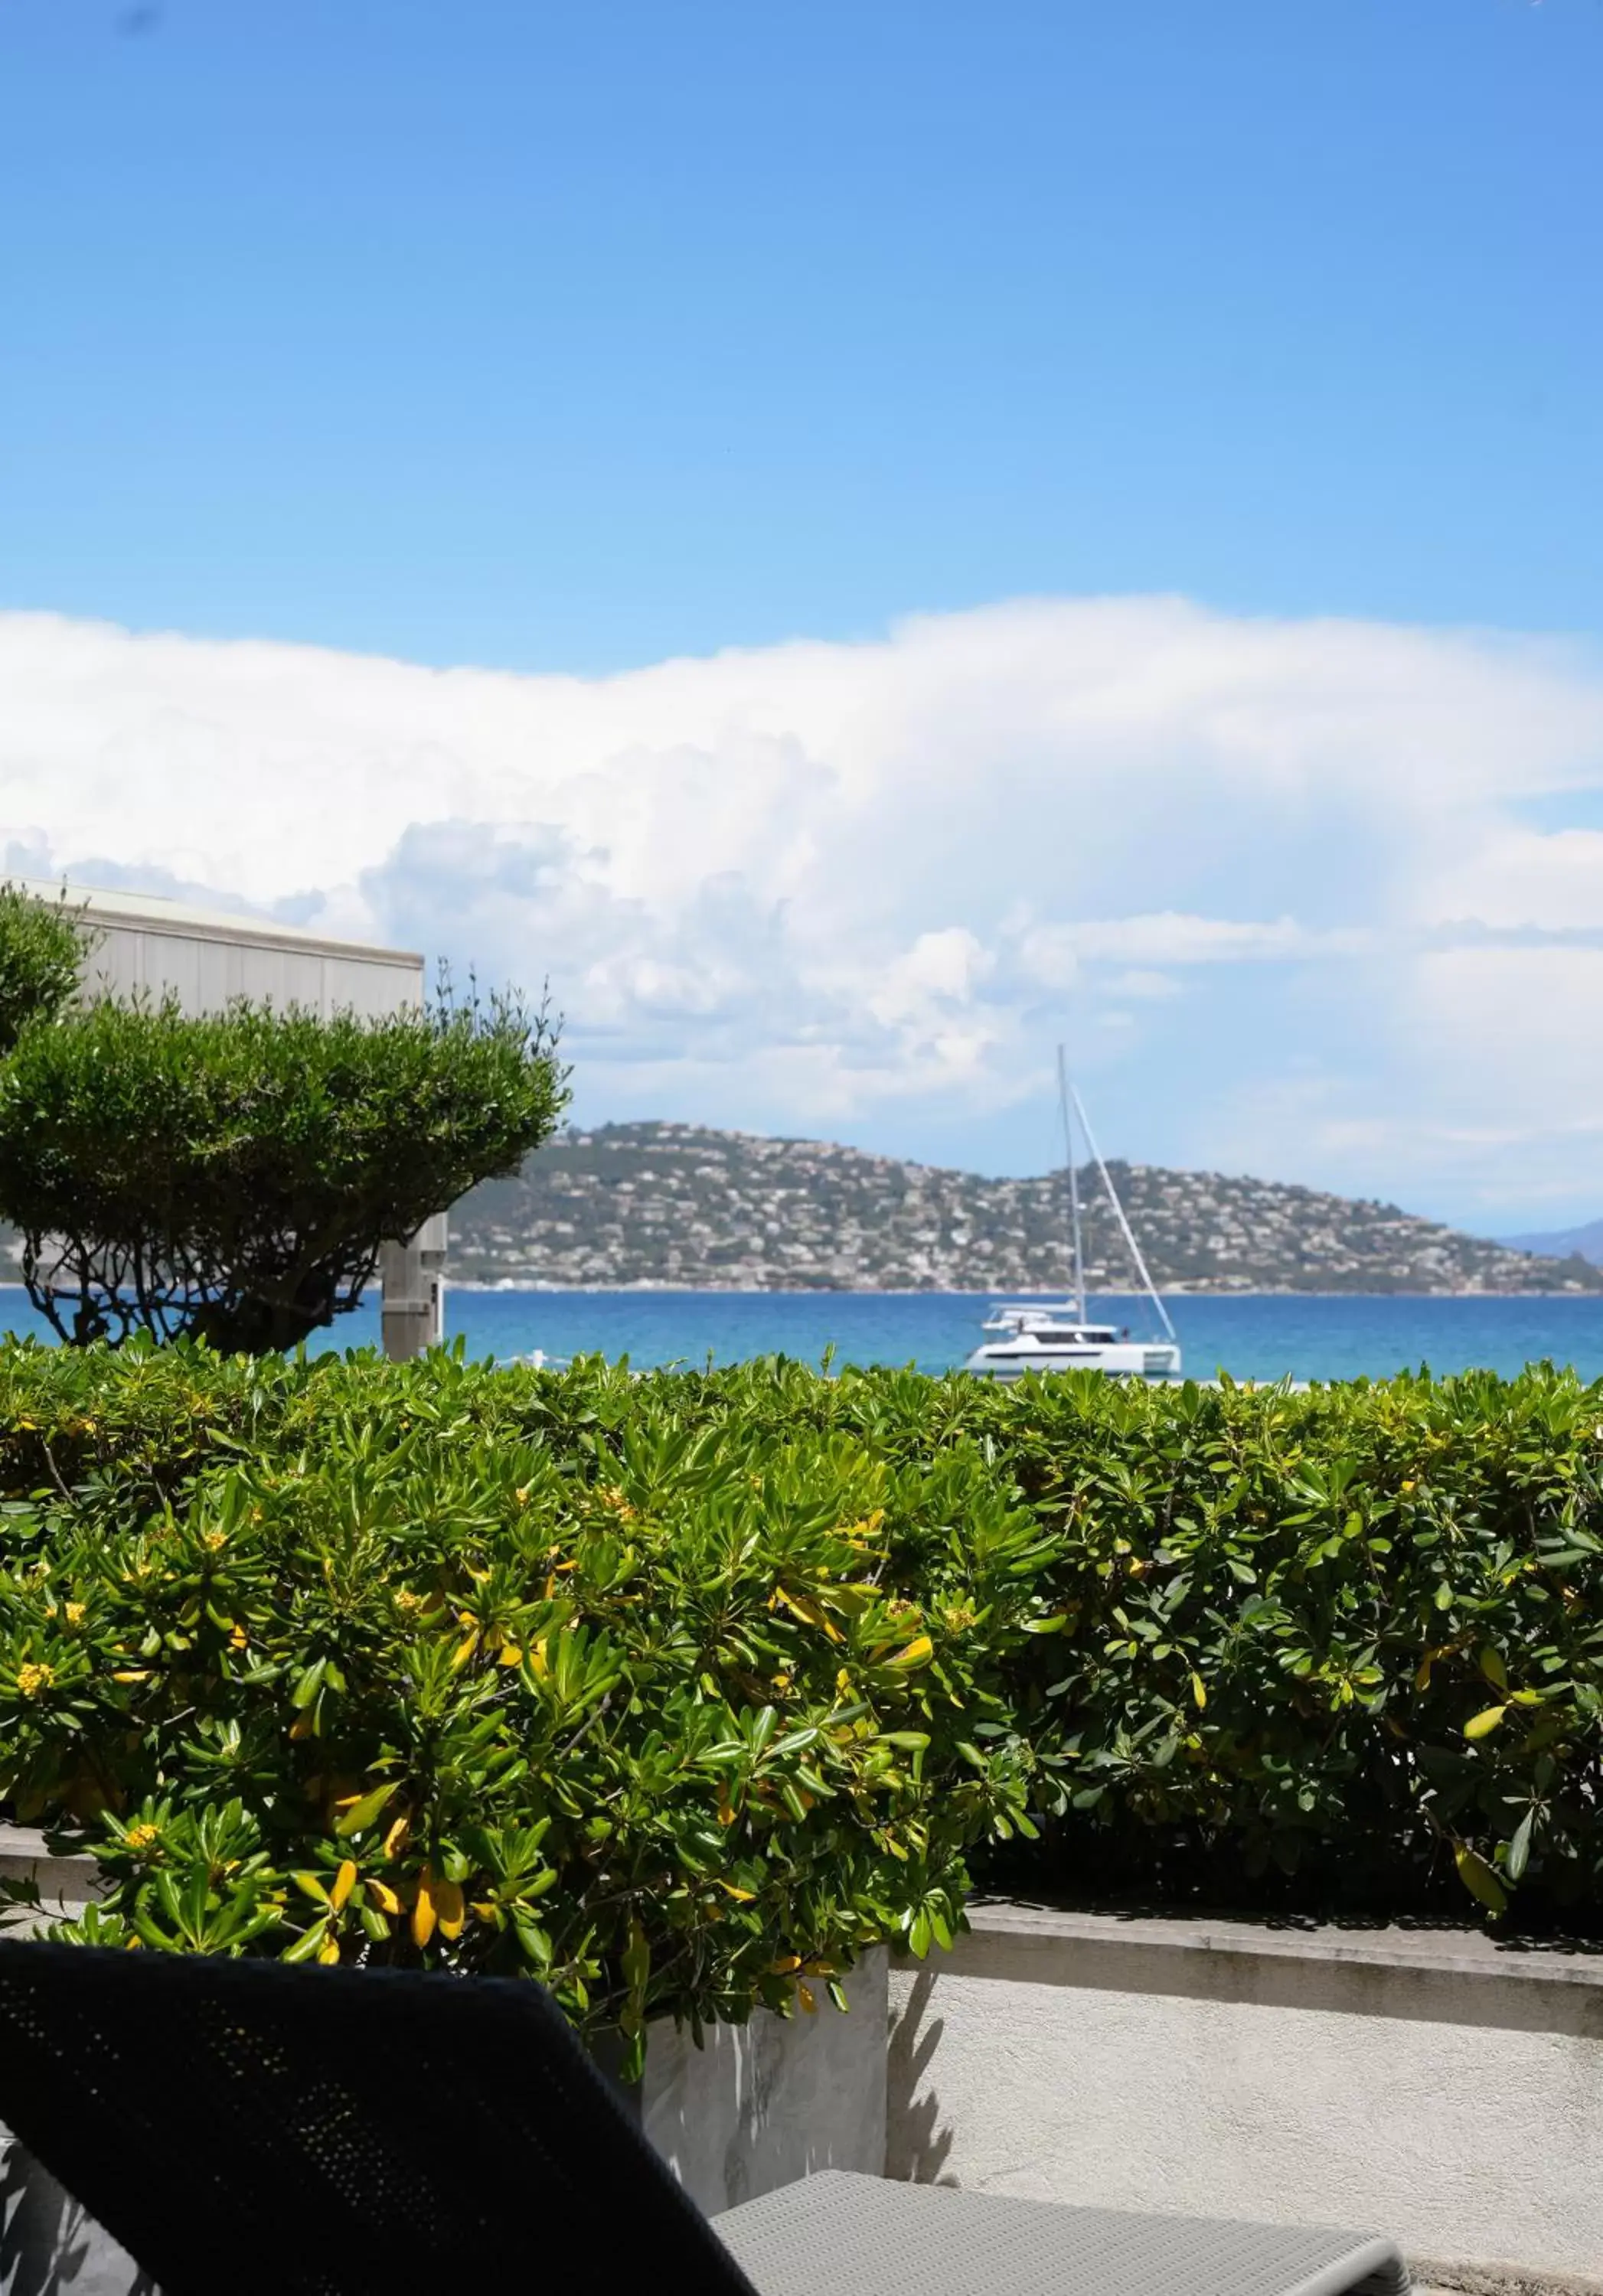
677,1691
504,1673
1357,1634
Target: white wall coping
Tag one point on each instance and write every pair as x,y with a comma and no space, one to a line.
1009,1938
63,1883
1041,1934
26,1841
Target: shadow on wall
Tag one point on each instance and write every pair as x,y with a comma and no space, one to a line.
50,2246
916,2146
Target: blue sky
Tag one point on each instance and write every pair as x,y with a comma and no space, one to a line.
567,342
571,337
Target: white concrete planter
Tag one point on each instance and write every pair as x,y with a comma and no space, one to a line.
49,2246
762,2104
1427,2083
65,1884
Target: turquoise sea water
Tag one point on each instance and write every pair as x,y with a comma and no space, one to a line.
1252,1337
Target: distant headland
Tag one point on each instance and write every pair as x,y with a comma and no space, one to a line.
684,1206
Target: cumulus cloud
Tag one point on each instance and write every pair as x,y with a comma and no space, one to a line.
1053,953
1276,882
1519,879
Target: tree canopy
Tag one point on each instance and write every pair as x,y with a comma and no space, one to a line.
42,945
232,1177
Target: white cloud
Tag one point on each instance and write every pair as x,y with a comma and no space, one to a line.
868,885
1053,954
1147,987
1519,878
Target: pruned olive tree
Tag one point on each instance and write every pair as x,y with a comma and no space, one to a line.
231,1177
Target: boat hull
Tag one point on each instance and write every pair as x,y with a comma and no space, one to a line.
1012,1358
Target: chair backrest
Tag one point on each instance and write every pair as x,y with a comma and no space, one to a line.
244,2127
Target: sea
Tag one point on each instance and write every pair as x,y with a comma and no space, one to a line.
1251,1336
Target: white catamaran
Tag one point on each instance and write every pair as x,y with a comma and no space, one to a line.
1032,1336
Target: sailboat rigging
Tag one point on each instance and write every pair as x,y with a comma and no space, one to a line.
1033,1337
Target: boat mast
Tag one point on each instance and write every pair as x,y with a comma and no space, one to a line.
1113,1196
1068,1150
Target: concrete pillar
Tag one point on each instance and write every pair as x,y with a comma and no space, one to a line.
412,1277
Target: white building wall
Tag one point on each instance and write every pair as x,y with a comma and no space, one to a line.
145,944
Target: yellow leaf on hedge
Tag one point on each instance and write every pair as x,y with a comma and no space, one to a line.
345,1881
1479,1879
464,1650
809,1611
1199,1690
744,1897
1481,1725
510,1654
448,1907
384,1897
329,1951
395,1840
918,1652
422,1911
807,1997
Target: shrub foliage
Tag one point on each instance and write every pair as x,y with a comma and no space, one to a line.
513,1675
231,1177
1356,1635
677,1691
42,947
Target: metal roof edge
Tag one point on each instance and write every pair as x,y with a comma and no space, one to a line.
155,912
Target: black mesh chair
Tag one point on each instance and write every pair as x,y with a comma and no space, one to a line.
243,2128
